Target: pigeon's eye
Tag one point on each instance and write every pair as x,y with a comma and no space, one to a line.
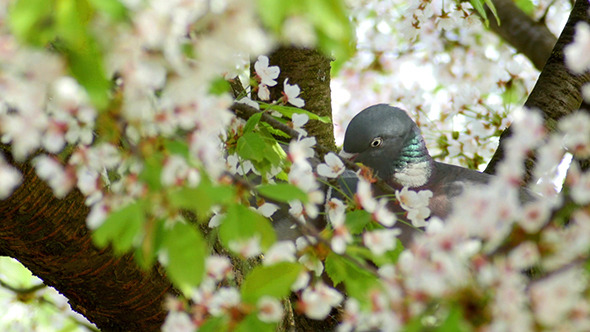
376,142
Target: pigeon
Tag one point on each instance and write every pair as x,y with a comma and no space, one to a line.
387,140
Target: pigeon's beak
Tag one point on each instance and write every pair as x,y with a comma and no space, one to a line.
348,156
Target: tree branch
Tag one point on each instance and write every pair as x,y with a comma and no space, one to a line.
527,36
557,91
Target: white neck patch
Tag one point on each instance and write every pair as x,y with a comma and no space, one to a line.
414,175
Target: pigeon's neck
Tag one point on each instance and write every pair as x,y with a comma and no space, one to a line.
414,165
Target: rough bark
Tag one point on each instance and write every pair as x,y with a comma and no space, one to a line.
527,36
557,91
310,70
49,237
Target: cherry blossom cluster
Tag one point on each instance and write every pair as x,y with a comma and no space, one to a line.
459,83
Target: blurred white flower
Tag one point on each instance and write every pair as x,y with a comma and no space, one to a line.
270,309
576,53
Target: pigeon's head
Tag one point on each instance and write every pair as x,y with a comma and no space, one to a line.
384,138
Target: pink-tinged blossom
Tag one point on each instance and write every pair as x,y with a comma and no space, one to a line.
270,309
89,184
350,317
553,298
10,178
524,256
291,94
98,214
318,301
60,179
247,248
534,216
178,321
176,172
333,166
576,127
218,267
299,120
282,251
576,53
268,74
381,240
263,92
224,299
341,236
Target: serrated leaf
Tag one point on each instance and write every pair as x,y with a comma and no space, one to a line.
186,253
121,227
288,111
282,192
251,146
357,220
273,280
252,122
242,223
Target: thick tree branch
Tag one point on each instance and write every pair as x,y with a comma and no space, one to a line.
527,36
49,236
557,91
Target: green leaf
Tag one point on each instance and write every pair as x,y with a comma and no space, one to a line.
152,169
252,122
219,86
252,323
493,10
186,253
527,6
282,192
358,282
121,227
113,8
251,146
201,198
288,111
357,220
478,6
241,223
177,147
31,21
273,280
215,324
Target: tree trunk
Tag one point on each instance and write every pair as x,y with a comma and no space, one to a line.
49,237
310,70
